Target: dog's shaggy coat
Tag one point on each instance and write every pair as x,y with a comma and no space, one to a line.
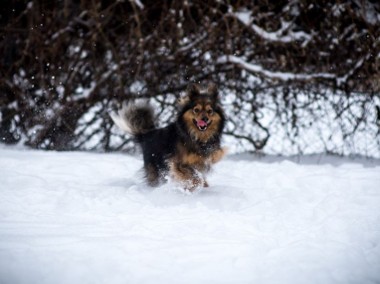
186,148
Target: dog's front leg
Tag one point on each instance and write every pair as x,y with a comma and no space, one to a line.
218,155
187,175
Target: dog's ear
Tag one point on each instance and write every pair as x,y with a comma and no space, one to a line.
193,90
212,90
183,100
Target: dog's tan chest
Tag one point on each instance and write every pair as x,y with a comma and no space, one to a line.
195,160
200,162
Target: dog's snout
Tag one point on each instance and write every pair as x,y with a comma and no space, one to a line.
205,118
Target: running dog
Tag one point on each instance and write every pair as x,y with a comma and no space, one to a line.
186,148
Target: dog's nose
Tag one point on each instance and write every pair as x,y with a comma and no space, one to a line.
205,118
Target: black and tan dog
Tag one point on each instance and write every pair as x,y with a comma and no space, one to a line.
186,148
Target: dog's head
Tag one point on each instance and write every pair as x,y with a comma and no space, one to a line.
201,112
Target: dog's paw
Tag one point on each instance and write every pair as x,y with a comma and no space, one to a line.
195,183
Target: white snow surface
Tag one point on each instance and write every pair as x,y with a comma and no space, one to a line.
74,217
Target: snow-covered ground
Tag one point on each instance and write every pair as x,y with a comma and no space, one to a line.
72,217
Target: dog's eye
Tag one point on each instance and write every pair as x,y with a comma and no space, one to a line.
196,110
210,111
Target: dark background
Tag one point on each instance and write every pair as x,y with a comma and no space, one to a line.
312,85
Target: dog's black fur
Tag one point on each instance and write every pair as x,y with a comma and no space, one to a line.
186,148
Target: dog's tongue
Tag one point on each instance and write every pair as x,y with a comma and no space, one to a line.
201,123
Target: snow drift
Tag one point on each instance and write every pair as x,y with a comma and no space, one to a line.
72,217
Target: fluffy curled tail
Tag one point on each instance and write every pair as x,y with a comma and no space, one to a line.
134,119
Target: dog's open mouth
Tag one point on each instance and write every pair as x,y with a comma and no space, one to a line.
201,124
